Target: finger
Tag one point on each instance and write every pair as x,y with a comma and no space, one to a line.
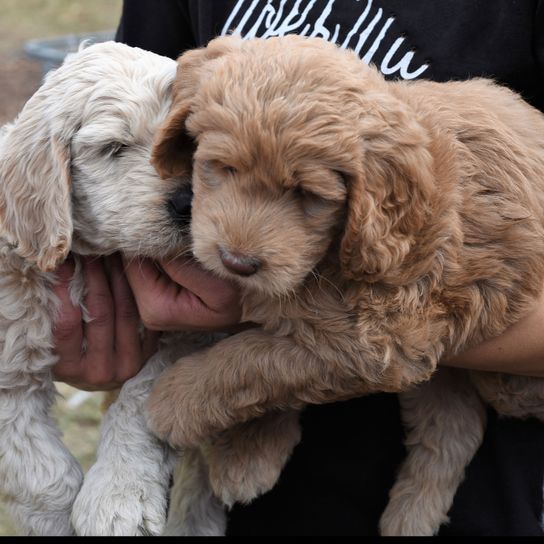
67,329
155,293
99,331
148,281
128,349
165,304
215,293
208,302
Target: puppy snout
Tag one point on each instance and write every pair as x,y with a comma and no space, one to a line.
238,263
179,205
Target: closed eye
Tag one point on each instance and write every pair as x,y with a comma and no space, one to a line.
213,166
312,203
229,170
113,149
323,192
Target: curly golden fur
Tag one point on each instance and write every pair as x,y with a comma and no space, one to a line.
374,227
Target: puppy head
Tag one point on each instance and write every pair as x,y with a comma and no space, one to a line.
75,168
301,150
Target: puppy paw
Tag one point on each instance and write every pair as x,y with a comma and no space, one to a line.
47,524
246,461
182,410
242,483
406,516
120,501
46,510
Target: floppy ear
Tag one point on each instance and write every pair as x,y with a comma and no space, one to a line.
173,149
389,195
35,210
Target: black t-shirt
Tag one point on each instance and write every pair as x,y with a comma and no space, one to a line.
338,478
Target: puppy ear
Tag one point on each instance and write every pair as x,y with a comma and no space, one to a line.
389,195
172,152
35,210
173,149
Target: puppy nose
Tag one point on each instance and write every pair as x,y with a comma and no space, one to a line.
179,205
240,264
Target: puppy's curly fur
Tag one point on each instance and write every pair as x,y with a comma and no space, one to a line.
374,227
75,175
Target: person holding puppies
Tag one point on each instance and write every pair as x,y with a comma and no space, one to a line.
335,483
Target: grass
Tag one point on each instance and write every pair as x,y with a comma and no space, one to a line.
22,20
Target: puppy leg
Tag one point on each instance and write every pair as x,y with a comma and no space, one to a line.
40,478
246,461
445,421
511,395
194,510
125,492
251,373
236,380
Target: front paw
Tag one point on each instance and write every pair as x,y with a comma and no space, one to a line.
246,461
119,500
39,523
240,476
408,514
184,407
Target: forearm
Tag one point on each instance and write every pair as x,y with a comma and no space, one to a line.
519,350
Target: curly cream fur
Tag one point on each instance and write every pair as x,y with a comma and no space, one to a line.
395,223
75,175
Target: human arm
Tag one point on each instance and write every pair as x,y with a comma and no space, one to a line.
518,350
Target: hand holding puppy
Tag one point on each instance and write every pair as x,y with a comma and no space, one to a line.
180,295
114,350
175,295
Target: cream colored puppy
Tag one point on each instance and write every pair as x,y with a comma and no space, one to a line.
75,175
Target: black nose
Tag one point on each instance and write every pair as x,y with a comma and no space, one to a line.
179,205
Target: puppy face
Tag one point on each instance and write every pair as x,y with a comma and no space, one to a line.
76,170
265,220
119,201
301,149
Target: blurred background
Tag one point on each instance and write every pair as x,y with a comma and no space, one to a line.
43,27
23,21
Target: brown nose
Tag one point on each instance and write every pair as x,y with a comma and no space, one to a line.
240,264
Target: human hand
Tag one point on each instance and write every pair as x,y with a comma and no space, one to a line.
115,350
177,294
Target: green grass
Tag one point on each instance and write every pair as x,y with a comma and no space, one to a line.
22,20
